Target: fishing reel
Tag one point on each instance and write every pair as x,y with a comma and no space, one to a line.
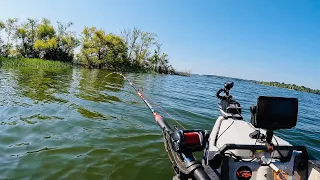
188,140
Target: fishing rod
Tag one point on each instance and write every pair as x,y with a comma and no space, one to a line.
179,144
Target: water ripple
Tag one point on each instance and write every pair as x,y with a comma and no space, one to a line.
80,124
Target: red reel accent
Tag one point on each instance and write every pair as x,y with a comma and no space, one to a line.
192,138
270,148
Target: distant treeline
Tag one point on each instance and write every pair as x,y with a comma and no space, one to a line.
133,50
290,86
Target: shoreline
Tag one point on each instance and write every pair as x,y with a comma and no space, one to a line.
45,63
289,87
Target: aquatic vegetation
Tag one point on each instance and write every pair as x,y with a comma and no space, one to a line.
32,119
93,114
32,63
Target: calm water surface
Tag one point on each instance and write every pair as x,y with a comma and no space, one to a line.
80,124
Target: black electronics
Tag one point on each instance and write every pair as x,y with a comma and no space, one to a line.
229,108
275,113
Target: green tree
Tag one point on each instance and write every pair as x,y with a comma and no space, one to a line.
92,50
155,58
163,64
117,52
46,43
139,45
2,26
32,25
9,28
56,44
21,34
102,50
159,61
67,42
26,35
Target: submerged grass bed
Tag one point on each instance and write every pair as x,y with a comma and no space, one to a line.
32,63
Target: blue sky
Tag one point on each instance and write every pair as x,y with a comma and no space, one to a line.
251,39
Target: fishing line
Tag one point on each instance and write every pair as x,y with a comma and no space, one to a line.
167,113
176,113
157,104
144,98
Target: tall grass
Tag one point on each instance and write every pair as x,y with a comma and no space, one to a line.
32,63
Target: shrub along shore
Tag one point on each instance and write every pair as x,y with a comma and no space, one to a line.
290,86
30,41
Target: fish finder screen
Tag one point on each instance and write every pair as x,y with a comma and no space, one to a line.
276,112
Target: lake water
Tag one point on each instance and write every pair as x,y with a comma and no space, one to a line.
80,124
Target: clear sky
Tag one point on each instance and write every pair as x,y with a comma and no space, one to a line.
267,40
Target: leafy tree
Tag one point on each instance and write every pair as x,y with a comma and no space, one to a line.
2,26
67,42
92,50
26,36
139,43
56,44
46,43
155,58
131,40
32,25
102,50
160,62
163,63
21,33
9,28
117,52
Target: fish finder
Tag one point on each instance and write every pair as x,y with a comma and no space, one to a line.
273,113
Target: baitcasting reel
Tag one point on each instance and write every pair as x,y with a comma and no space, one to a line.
188,140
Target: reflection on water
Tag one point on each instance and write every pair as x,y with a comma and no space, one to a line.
41,85
80,123
94,84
